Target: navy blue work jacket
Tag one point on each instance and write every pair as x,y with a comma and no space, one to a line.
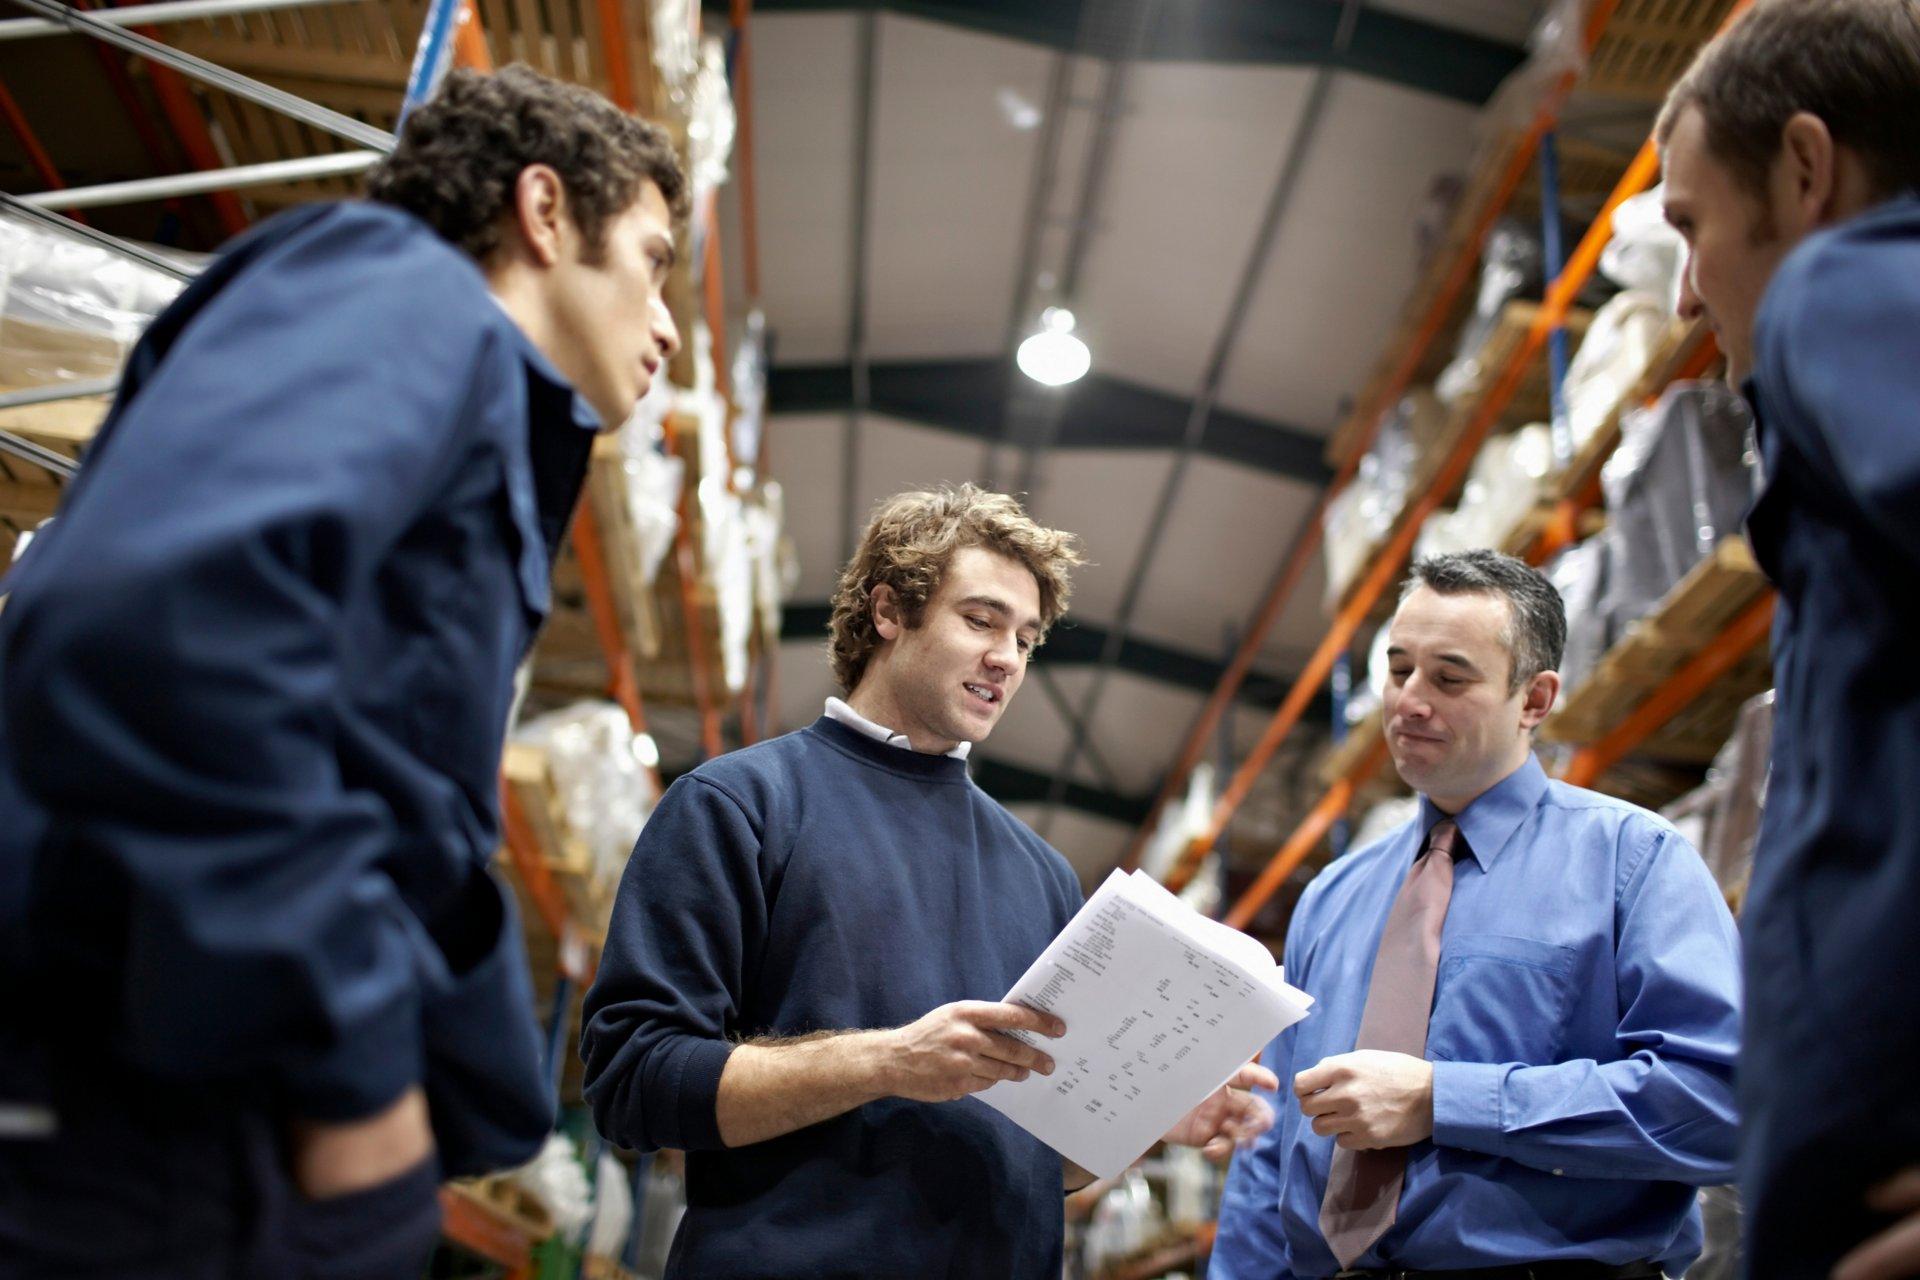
253,684
1831,1058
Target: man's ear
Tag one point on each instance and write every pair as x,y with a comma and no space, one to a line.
540,213
1541,693
1804,170
888,617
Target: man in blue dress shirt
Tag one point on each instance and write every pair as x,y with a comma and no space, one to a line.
1575,1082
258,988
1792,157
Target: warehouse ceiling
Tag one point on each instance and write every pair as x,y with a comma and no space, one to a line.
991,191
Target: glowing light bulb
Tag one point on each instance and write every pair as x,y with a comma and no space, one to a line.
1054,356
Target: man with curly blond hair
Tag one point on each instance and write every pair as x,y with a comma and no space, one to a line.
259,991
786,899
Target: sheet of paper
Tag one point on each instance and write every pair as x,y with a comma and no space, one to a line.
1161,1010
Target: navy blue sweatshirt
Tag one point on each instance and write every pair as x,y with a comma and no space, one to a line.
826,881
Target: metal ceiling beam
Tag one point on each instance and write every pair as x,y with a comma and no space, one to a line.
1079,643
305,169
858,364
1284,185
150,14
1132,21
1386,46
1098,412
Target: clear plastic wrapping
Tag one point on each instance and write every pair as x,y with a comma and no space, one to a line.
1511,266
1508,477
1363,513
556,1178
70,310
603,772
1579,574
1645,253
1383,820
1680,481
1613,355
1739,778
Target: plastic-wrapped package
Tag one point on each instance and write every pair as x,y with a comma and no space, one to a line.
556,1179
1618,346
603,771
1580,575
652,482
1680,481
1555,47
1511,266
750,389
1740,775
1180,824
70,310
710,118
765,551
1720,1222
729,564
1444,533
1508,477
676,52
612,1208
1363,514
1645,253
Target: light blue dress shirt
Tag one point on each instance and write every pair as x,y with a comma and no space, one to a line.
1584,1029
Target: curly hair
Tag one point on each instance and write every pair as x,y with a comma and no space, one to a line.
460,154
908,545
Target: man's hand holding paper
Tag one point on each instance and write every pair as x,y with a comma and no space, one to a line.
1163,1008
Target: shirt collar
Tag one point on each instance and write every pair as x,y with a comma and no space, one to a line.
1490,821
837,709
550,397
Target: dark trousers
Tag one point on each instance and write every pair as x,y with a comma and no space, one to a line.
147,1182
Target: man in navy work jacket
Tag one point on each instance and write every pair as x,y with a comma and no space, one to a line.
260,988
1792,157
786,898
1520,1059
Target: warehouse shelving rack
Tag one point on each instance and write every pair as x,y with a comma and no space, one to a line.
1690,662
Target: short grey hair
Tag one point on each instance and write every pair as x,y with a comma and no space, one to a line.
1536,632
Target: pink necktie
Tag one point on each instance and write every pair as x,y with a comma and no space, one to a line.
1363,1187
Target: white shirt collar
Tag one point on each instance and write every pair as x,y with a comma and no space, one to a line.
837,709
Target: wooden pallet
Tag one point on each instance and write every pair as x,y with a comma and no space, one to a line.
1343,757
1691,617
1648,44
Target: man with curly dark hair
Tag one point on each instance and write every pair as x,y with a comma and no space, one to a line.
261,991
802,979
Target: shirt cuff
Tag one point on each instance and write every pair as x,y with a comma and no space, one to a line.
1466,1106
692,1075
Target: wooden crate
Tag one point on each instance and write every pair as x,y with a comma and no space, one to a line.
1647,44
1691,617
528,773
509,1202
30,493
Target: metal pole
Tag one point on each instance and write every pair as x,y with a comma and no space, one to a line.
1555,255
322,118
28,451
1342,688
430,55
857,359
1264,237
155,14
557,1027
100,239
58,391
307,169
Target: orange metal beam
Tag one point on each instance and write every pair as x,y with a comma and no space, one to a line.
741,13
613,35
470,42
30,142
524,849
190,126
1673,696
1306,837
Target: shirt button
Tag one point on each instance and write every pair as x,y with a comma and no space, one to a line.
1559,1173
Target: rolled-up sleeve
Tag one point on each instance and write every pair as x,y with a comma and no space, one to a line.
689,920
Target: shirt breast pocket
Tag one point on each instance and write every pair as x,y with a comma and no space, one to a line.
1501,999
